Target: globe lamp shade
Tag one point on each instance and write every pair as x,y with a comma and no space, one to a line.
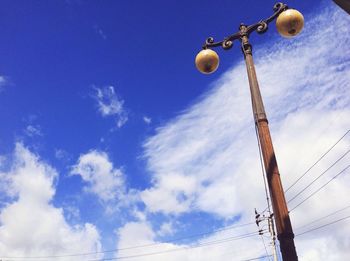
207,61
290,23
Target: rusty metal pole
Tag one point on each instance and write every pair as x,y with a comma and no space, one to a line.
344,4
284,227
207,62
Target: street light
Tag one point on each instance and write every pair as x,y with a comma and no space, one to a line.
289,23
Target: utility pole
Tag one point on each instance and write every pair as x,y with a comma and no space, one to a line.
289,23
284,227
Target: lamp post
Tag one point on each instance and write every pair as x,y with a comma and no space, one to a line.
289,23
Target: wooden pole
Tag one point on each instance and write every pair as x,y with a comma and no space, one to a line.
284,227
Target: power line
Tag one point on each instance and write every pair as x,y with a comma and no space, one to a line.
325,225
187,237
320,188
254,258
324,217
182,248
233,252
319,176
346,133
131,247
313,165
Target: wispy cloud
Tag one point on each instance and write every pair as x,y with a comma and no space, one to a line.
206,159
100,32
147,120
61,154
110,104
32,127
3,82
33,130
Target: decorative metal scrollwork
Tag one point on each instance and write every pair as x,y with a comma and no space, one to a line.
227,44
260,27
210,40
278,6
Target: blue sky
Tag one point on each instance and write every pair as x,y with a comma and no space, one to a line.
111,138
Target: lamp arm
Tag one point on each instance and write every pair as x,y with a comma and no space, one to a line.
260,27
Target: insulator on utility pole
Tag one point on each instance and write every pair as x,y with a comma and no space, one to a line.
273,237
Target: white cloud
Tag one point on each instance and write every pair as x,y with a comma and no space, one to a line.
173,194
102,178
206,248
71,212
166,228
129,231
61,154
31,225
106,182
33,130
206,159
3,81
109,104
147,120
100,32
